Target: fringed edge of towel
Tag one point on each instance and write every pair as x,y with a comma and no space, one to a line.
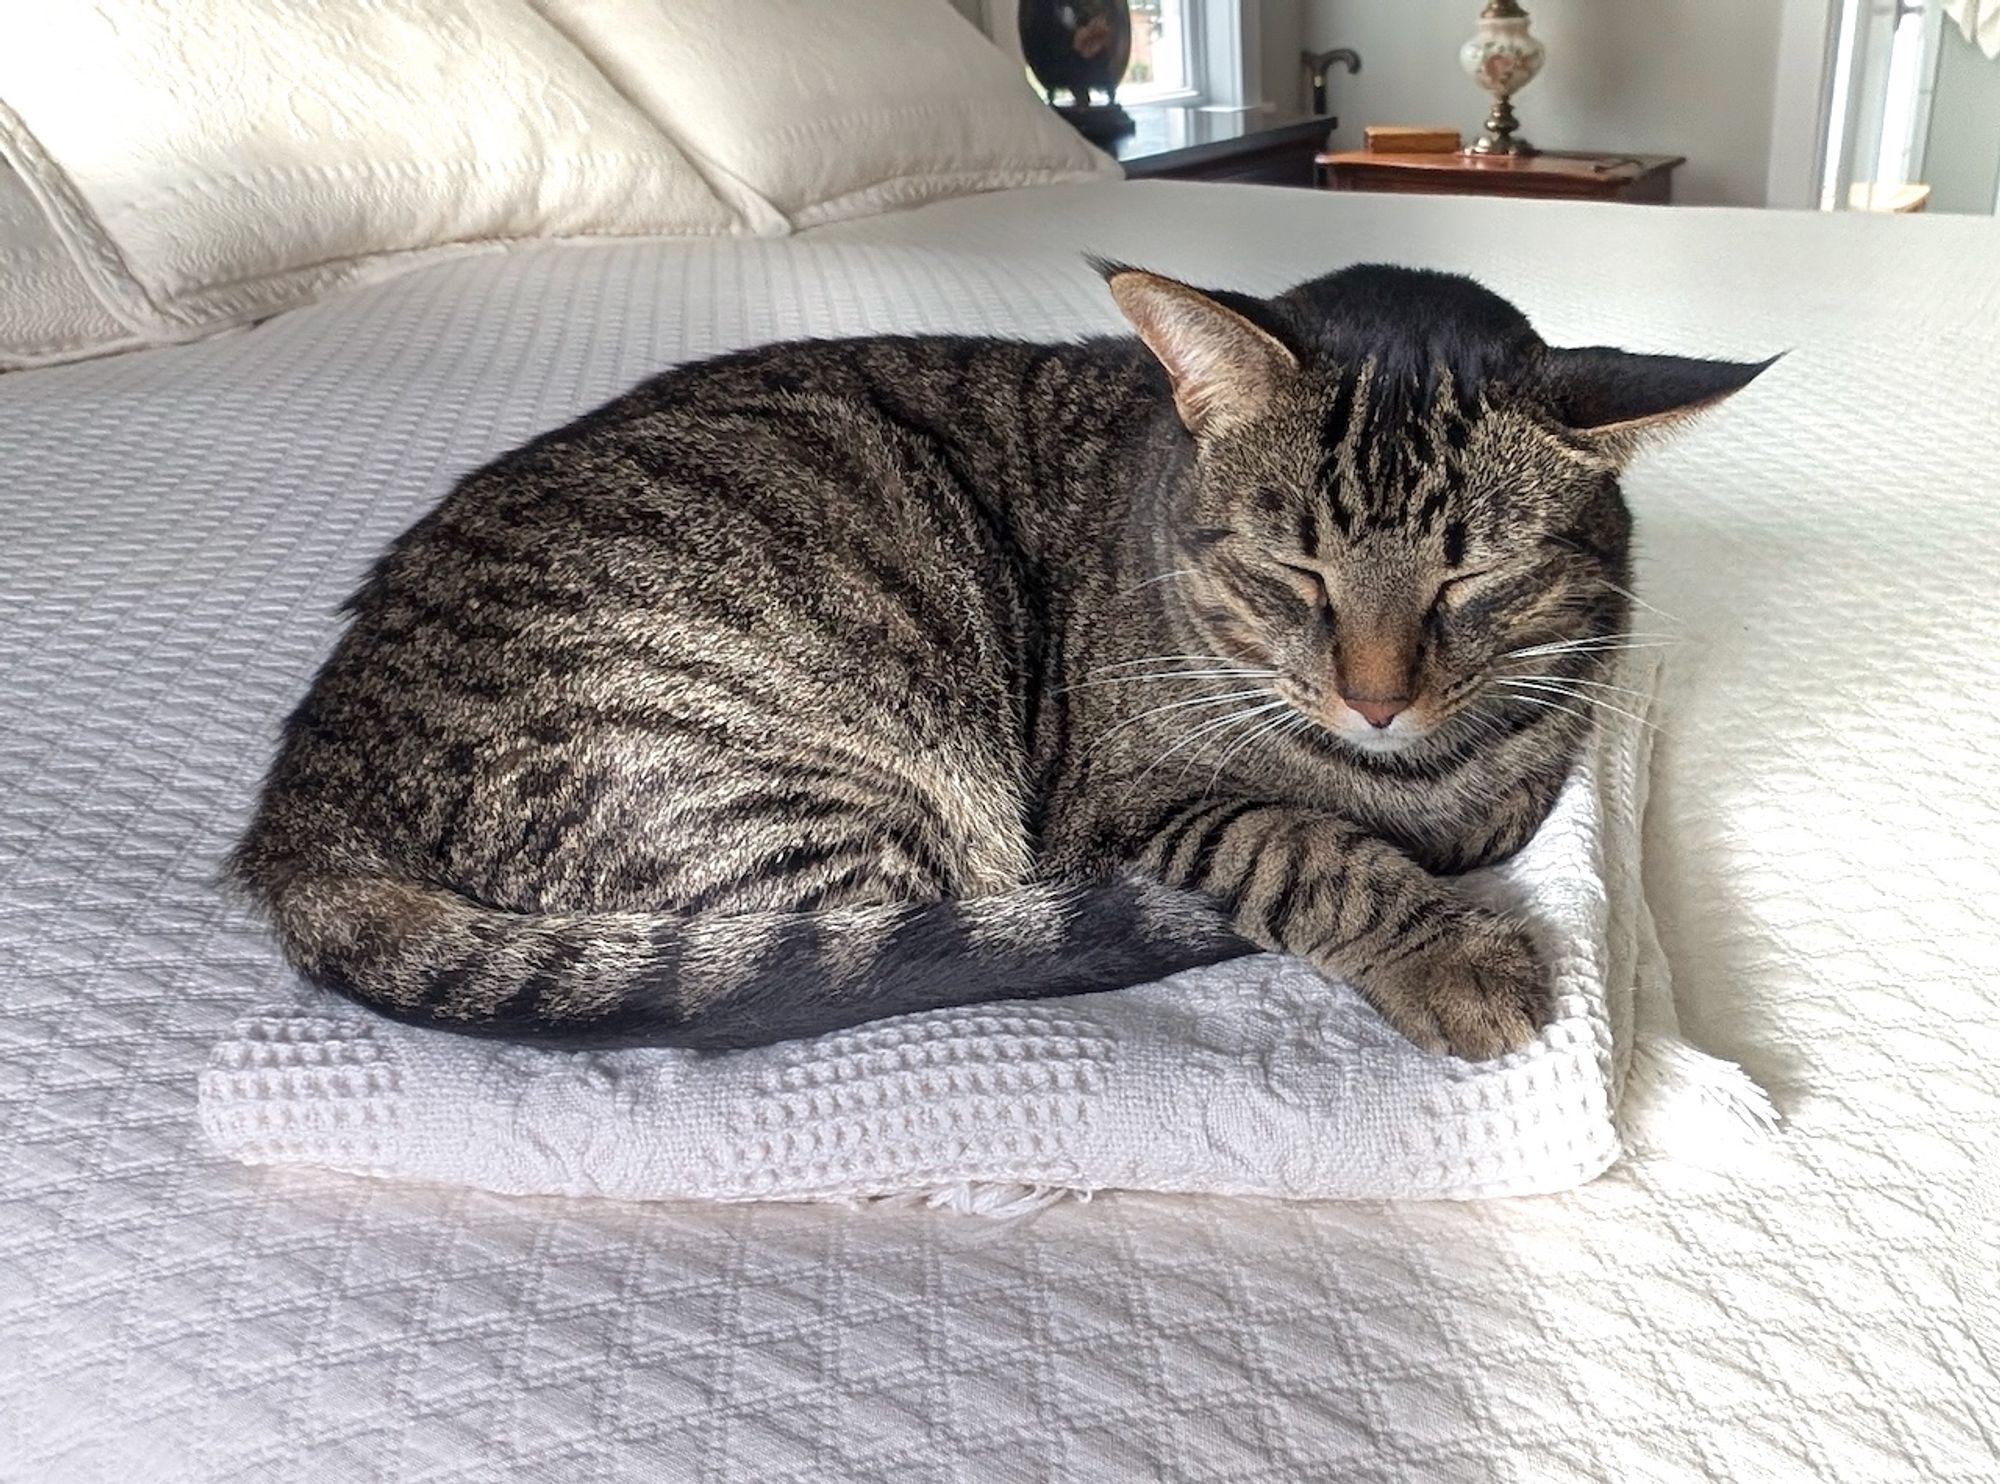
1678,1099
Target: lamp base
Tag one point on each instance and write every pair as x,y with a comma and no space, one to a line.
1500,137
1488,144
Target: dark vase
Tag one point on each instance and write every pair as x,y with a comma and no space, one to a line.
1077,47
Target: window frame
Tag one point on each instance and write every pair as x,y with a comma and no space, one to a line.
1190,91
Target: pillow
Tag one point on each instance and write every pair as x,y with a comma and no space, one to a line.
207,162
47,311
830,109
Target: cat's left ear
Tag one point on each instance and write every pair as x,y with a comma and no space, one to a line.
1223,368
1619,399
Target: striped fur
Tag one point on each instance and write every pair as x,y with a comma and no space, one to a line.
834,680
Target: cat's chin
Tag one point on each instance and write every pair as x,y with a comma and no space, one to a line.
1378,743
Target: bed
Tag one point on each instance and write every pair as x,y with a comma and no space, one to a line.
178,525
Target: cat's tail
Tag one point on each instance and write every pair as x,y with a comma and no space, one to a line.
428,956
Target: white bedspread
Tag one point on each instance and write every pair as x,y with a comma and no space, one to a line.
177,526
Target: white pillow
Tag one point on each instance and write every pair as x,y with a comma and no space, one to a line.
829,109
207,162
47,311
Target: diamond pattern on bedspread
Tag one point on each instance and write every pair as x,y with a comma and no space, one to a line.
177,527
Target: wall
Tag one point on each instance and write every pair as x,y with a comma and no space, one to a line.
1283,27
1686,77
1962,151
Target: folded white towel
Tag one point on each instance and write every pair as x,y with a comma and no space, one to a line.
1250,1078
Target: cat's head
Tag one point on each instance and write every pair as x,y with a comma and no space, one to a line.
1403,506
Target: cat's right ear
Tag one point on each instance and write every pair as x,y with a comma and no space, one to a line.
1619,398
1223,369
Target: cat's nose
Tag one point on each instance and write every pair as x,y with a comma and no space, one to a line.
1379,713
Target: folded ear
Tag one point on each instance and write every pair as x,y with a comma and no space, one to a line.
1619,398
1223,368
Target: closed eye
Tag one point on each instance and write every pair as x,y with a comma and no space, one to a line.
1309,581
1453,585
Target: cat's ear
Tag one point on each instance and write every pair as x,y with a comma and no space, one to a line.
1223,368
1618,398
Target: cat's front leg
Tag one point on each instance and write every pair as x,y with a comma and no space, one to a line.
1449,975
1454,841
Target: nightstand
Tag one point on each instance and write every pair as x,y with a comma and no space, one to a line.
1263,146
1571,176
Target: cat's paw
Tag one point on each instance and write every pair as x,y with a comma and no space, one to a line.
1479,992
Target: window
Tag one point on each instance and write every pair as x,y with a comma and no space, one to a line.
1161,52
1163,64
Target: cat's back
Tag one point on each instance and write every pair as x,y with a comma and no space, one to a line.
960,392
772,448
777,558
831,469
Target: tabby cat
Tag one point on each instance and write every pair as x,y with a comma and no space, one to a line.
838,679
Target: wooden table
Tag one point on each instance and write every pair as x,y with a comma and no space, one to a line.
1263,146
1574,176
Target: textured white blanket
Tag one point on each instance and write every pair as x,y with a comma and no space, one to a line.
178,527
1250,1078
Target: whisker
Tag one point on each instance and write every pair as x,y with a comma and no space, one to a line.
1490,727
1163,577
1595,643
1588,700
1579,652
1602,705
1221,734
1216,700
1644,695
1582,716
1173,659
1607,582
1265,729
1592,641
1627,592
1169,675
1206,731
